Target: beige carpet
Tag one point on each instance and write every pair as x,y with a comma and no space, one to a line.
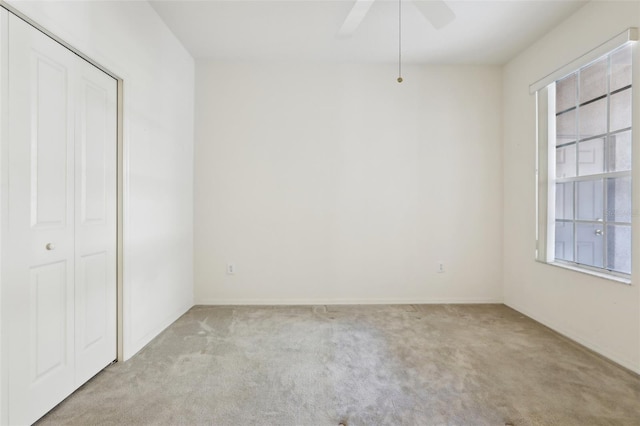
357,365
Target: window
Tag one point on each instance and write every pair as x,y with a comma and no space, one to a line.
593,164
584,166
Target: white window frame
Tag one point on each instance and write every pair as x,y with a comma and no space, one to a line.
544,91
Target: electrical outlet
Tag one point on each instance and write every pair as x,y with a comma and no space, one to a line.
440,267
231,269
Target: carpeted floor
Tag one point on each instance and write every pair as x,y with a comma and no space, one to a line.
357,365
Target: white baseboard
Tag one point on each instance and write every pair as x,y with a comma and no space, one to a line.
606,353
354,301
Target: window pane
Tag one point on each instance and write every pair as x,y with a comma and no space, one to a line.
564,200
619,199
591,157
619,152
566,161
589,244
593,80
566,127
620,110
619,248
564,241
566,91
593,119
621,68
589,202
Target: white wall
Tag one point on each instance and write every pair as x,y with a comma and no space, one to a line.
601,314
130,40
335,184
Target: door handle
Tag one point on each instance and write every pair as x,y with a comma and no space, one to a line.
50,246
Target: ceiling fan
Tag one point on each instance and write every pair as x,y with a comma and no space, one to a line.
435,11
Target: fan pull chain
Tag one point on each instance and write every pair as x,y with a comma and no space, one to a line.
399,41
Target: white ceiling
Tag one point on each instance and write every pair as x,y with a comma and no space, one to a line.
484,32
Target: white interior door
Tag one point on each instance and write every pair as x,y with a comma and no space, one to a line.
60,258
95,220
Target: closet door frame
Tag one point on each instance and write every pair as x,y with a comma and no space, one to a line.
5,10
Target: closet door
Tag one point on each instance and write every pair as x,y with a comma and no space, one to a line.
95,220
60,262
41,219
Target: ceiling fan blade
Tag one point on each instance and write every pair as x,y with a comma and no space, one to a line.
354,18
436,11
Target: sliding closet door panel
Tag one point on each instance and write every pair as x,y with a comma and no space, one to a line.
95,239
40,255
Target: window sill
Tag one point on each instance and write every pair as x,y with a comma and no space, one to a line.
610,277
